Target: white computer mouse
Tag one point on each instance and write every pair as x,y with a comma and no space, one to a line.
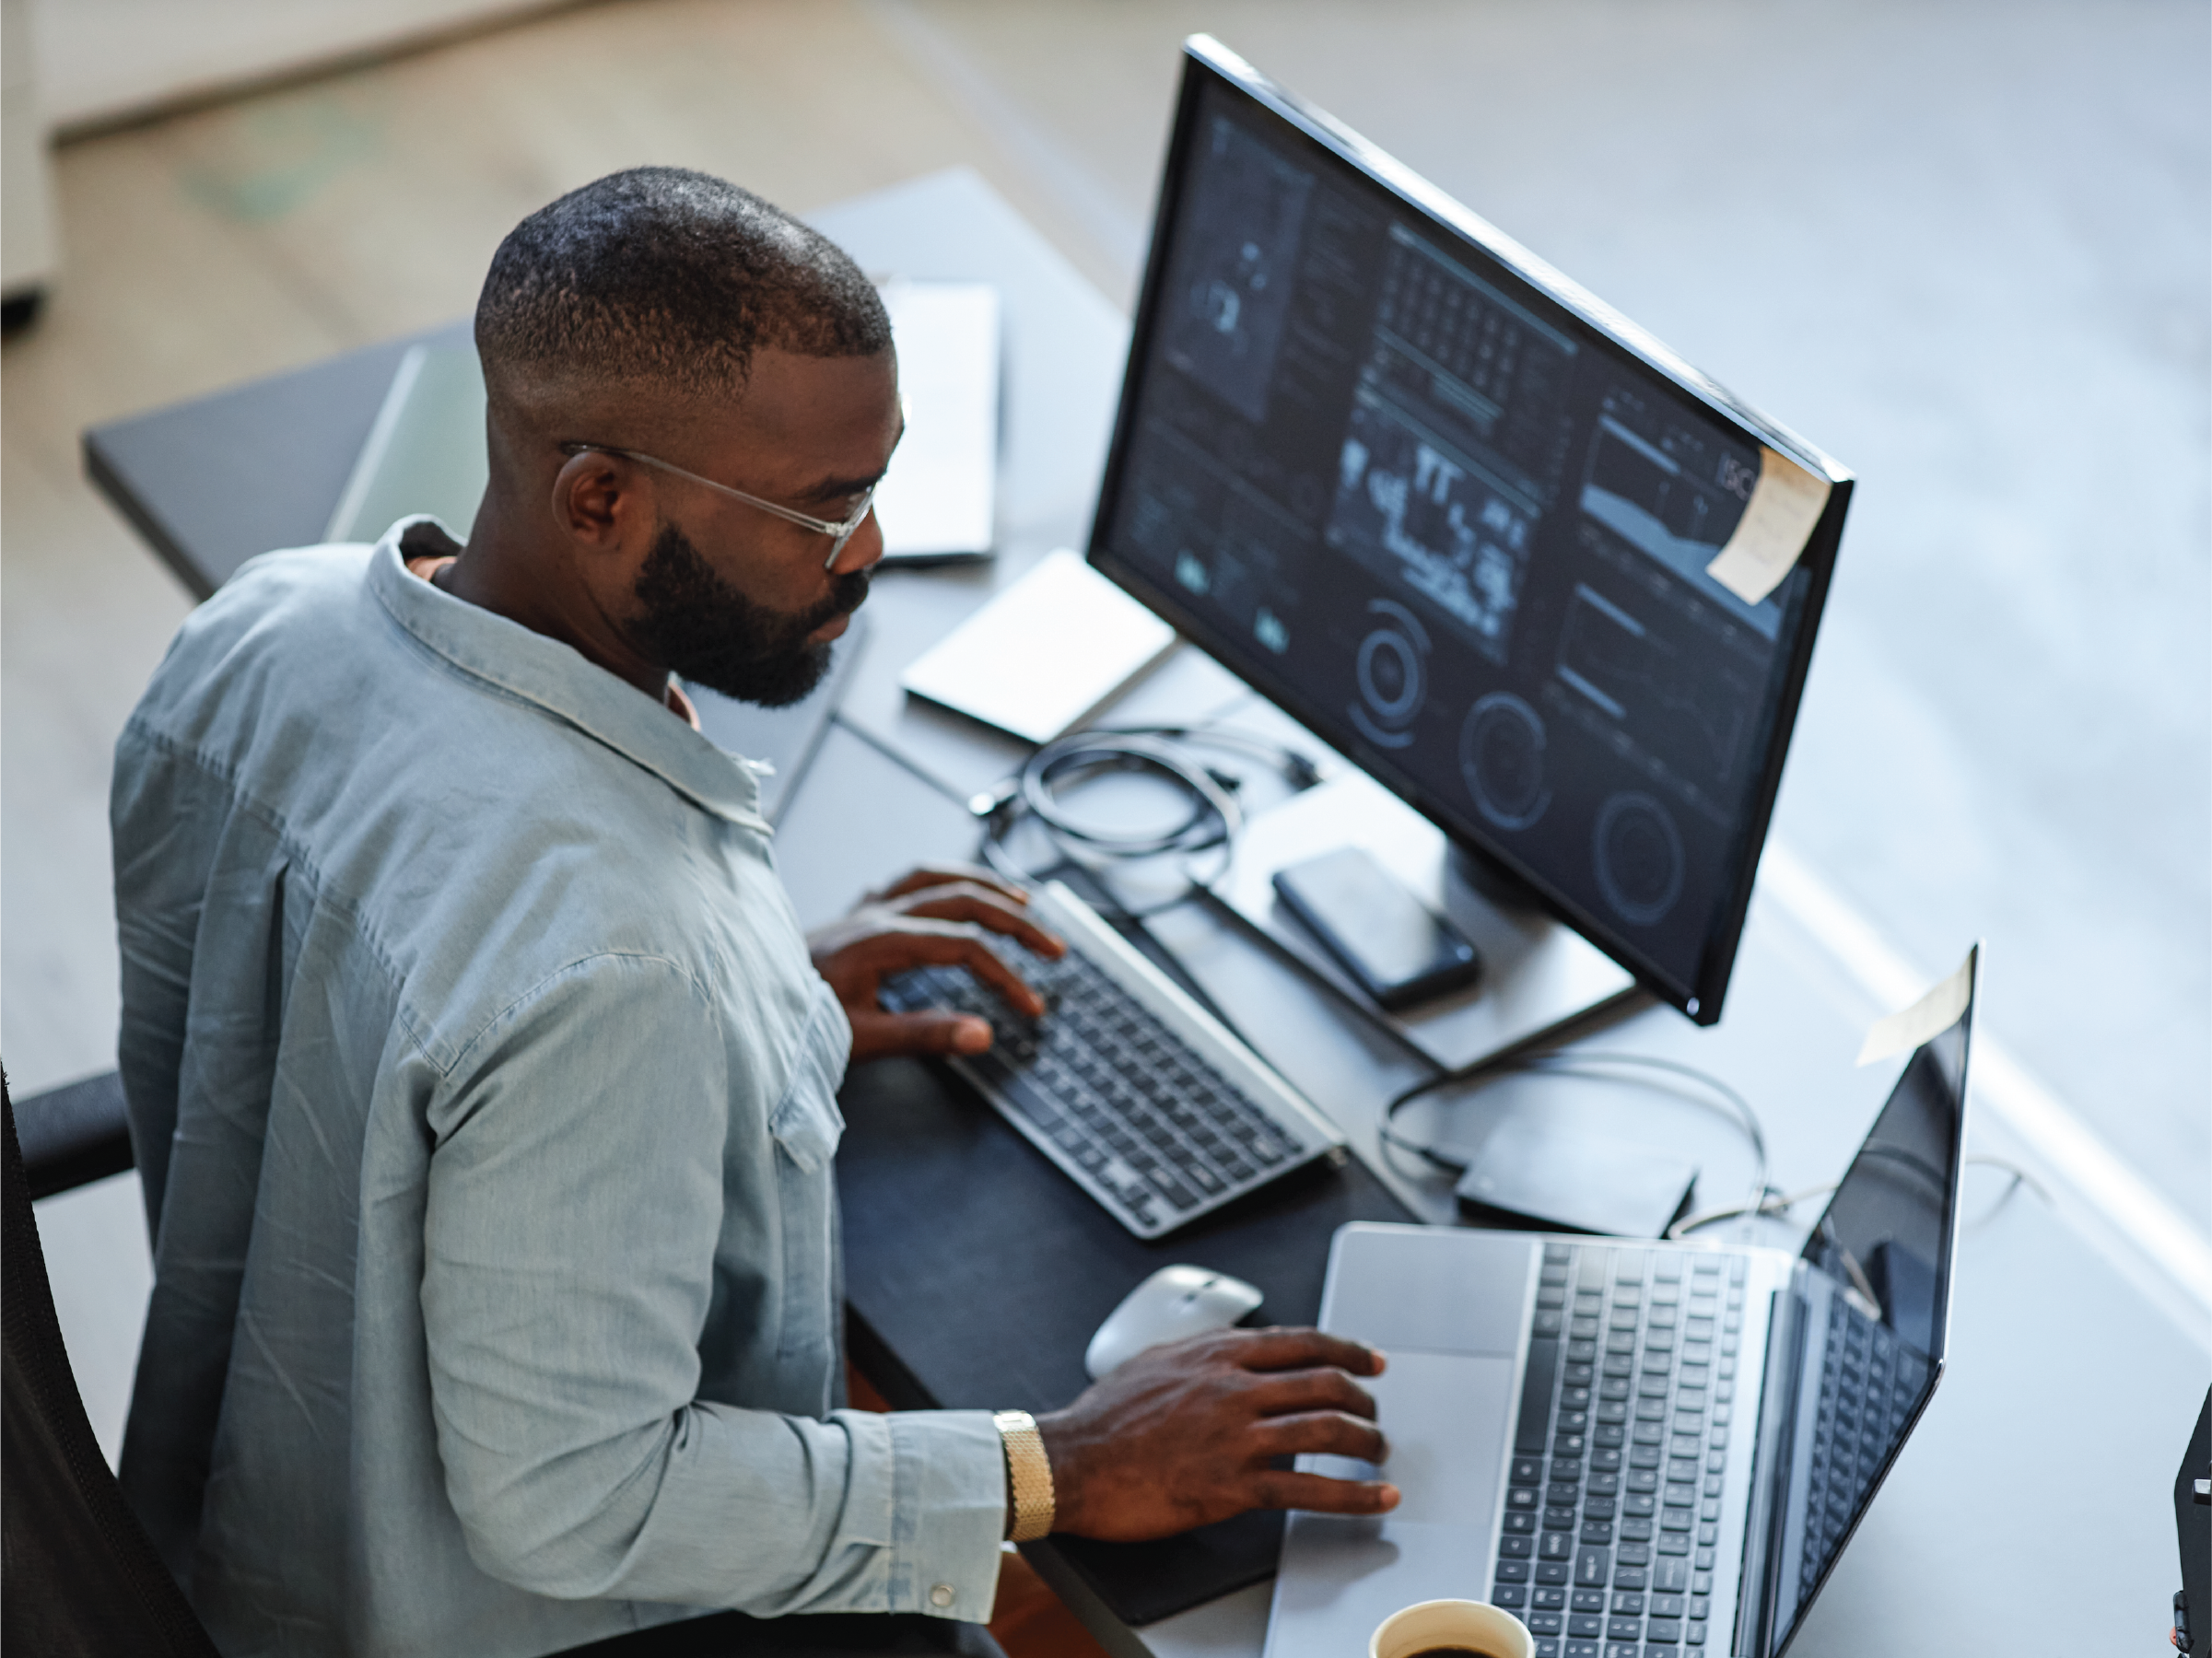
1174,1302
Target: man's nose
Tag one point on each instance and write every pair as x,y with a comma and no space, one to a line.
863,552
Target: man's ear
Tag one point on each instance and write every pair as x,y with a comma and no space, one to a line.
602,504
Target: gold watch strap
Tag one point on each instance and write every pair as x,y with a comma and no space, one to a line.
1028,1475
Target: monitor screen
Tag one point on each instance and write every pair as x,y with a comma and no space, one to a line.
1455,517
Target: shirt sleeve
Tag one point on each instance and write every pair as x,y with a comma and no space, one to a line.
575,1204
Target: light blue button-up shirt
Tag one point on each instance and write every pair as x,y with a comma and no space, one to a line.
485,1096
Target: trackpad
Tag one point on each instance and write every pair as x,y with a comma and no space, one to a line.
1446,1415
1341,1578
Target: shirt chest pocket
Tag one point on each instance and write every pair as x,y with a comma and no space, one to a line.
806,1126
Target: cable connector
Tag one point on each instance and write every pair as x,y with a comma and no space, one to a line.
990,802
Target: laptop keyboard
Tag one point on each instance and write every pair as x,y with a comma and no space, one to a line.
1612,1508
1112,1094
1870,1382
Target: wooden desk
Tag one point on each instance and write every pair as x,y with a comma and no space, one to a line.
2030,1514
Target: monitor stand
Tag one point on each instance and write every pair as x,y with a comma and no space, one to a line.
1537,977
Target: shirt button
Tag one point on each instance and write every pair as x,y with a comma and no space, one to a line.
941,1595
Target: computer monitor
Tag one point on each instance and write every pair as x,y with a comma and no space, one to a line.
1466,525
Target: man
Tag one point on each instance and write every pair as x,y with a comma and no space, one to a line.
482,1083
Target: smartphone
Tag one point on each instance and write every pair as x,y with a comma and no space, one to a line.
1401,952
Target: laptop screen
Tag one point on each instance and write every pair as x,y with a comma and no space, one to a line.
1876,1314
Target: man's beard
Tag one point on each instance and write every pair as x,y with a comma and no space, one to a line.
712,635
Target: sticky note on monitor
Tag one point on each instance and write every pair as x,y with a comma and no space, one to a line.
1043,655
1785,503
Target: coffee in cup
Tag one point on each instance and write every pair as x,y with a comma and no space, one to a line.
1459,1629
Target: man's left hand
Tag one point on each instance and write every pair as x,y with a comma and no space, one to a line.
936,915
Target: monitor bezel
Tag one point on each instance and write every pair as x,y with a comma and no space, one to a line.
1207,62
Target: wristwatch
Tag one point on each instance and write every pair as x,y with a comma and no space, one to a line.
1028,1475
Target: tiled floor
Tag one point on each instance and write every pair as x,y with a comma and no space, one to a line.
1965,247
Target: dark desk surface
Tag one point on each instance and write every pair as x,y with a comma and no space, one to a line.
2030,1513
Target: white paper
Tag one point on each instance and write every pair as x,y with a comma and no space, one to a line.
1045,653
1785,503
1932,1014
940,497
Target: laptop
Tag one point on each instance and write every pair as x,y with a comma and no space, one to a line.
1642,1450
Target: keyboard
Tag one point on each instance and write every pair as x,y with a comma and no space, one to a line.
1613,1500
1870,1381
1142,1097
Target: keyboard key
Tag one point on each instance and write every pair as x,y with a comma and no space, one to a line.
1508,1595
1585,1623
1536,1396
1548,1600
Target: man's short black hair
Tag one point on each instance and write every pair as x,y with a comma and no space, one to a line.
671,279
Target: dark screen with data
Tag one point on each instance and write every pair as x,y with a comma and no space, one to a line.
1874,1324
1458,530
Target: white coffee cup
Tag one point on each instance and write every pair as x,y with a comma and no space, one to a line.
1449,1623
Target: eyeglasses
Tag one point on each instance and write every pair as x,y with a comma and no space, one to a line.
840,531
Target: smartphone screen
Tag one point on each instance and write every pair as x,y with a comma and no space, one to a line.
1401,951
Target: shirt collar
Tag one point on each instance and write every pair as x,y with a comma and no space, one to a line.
557,679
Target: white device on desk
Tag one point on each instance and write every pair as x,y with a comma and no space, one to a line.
1044,654
1642,1449
1173,1304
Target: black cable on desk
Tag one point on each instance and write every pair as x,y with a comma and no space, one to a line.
1035,793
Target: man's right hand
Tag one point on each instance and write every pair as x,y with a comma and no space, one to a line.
1185,1434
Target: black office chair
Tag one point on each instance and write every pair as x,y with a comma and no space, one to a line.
74,1135
80,1575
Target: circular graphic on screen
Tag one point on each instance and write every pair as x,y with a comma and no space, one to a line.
1639,857
1392,669
1502,757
